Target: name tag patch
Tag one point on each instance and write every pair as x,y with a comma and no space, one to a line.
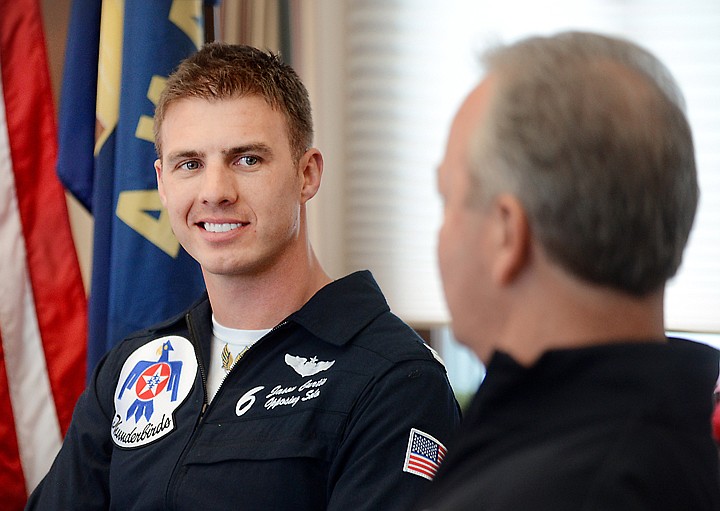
155,379
289,395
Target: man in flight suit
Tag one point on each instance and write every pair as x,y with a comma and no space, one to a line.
281,389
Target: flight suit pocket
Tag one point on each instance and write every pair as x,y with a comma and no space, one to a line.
281,462
307,434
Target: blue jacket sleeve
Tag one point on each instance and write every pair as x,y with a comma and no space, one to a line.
367,473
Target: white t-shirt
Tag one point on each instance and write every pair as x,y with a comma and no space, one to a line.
226,348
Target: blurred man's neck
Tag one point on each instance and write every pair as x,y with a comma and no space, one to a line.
560,312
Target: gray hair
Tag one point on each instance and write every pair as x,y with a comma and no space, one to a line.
589,132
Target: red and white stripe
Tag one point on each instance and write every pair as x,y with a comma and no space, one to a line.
421,465
42,300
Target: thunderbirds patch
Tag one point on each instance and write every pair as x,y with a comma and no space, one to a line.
154,381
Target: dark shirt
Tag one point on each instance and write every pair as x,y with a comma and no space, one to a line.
613,427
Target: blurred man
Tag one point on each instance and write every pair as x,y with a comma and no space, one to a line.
281,389
570,189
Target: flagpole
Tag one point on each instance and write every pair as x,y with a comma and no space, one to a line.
211,19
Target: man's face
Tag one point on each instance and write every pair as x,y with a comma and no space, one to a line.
463,239
230,186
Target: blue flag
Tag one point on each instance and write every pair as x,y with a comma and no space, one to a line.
118,57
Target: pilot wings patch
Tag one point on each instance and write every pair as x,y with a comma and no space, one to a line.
305,367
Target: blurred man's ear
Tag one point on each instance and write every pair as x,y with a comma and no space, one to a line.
512,237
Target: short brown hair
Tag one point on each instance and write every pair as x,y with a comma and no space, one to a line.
224,71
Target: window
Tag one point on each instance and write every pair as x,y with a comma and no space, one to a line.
409,64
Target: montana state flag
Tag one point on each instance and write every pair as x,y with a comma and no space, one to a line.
118,57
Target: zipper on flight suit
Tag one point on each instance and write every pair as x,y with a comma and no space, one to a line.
250,349
201,363
172,482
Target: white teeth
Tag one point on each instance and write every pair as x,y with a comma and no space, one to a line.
220,227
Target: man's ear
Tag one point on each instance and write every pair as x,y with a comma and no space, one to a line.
311,168
158,175
513,238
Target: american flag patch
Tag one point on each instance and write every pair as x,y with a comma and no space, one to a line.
424,454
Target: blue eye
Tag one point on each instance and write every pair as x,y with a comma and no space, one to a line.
189,165
249,161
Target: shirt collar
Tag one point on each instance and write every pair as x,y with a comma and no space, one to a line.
335,314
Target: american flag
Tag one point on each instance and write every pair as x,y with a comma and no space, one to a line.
424,454
42,309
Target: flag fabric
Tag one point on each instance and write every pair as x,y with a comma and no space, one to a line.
118,57
424,454
43,308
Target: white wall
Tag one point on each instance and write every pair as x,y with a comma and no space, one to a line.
323,72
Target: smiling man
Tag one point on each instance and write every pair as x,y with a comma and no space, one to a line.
282,389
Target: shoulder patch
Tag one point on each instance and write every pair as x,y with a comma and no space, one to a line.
155,379
424,454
